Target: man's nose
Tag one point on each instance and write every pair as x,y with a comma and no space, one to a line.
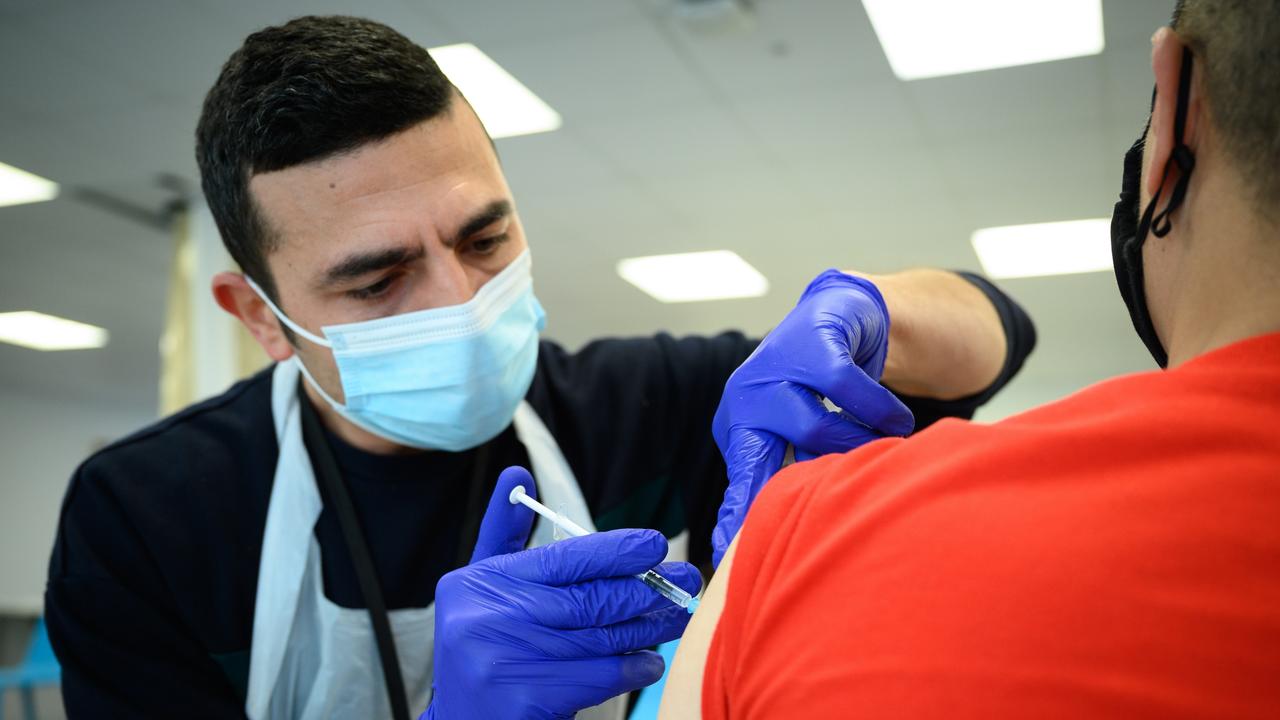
448,282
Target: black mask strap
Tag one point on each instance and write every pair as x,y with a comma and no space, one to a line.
1161,224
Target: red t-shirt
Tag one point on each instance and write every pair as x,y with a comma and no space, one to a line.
1115,554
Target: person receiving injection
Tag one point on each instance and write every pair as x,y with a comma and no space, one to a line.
565,614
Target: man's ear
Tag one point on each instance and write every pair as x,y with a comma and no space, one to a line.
234,295
1166,65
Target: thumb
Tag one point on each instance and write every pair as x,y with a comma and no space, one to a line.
505,528
752,458
870,403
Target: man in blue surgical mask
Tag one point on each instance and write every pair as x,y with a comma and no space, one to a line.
278,551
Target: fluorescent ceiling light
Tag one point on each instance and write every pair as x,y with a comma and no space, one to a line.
19,186
687,277
929,38
1056,248
505,106
47,332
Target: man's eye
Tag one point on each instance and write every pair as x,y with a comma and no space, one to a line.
486,246
372,291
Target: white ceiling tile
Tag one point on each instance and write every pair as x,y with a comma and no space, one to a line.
1031,177
136,143
46,83
552,167
674,141
608,72
162,50
503,22
412,18
1041,98
792,44
802,126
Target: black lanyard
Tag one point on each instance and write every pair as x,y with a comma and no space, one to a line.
329,477
330,481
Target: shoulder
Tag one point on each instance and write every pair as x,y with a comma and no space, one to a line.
1154,450
659,349
635,370
207,467
1088,428
215,430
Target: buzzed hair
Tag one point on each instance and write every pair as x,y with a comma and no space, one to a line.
1237,48
299,92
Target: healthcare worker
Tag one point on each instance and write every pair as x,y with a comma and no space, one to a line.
1110,555
277,551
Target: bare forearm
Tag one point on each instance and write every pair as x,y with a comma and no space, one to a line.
946,340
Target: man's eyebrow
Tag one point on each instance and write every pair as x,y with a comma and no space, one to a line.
492,213
358,264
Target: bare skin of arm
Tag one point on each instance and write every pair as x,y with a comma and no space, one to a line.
682,697
945,337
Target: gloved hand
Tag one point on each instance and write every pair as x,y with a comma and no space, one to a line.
543,633
833,345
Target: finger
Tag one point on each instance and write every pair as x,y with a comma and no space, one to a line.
801,419
505,527
577,684
638,633
575,560
683,574
824,431
868,402
802,455
751,457
598,603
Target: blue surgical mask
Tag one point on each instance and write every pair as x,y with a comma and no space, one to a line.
446,378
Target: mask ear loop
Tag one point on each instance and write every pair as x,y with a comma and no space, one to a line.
296,359
285,318
1162,223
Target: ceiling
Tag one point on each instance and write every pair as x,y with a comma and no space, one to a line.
791,143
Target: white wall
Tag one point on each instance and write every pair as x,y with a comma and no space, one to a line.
42,440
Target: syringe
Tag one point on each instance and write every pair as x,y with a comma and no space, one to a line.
661,585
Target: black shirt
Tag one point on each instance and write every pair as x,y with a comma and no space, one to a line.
154,573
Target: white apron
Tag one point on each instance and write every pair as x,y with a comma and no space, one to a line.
311,659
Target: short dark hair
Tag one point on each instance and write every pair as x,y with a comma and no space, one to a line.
299,92
1237,47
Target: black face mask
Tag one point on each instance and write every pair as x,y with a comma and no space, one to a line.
1129,231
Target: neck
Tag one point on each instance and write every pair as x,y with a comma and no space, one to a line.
1228,290
350,433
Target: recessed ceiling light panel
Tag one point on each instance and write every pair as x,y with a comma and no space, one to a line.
18,186
1056,248
930,38
505,106
689,277
48,332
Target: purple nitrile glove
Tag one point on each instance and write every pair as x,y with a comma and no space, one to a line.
546,632
832,345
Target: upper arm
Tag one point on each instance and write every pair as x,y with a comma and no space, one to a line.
682,697
1020,339
122,656
118,634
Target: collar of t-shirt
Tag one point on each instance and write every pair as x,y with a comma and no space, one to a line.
411,509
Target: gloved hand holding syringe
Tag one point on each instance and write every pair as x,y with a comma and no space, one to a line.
545,632
661,585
